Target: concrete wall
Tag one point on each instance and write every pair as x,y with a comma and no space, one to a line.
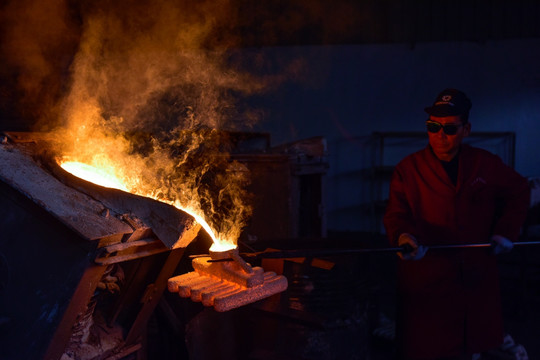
349,92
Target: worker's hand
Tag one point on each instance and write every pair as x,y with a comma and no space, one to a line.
500,244
417,252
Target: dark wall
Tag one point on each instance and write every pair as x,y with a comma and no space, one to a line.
348,92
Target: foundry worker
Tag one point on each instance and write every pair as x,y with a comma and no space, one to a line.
451,193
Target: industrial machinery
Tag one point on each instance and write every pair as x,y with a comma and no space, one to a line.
84,266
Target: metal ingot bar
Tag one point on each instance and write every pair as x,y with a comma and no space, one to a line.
226,285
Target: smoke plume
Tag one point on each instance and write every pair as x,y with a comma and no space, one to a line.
149,88
143,88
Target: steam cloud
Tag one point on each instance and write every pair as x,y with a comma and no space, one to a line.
151,64
150,93
146,82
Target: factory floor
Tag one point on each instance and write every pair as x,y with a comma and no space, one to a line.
520,290
520,287
341,313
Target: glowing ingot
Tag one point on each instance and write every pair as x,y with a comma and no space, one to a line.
226,285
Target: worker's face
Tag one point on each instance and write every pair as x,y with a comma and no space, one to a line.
446,146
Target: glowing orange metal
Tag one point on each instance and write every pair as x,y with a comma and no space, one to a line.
226,285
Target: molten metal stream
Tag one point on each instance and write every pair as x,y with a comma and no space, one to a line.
106,178
93,174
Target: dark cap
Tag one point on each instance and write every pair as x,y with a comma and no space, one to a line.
450,102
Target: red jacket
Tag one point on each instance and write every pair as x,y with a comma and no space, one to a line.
449,301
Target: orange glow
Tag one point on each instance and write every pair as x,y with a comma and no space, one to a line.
107,177
149,107
93,174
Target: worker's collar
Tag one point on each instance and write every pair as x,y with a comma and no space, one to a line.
444,161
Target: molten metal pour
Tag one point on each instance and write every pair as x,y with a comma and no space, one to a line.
226,285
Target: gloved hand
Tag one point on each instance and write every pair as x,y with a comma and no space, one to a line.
418,251
500,244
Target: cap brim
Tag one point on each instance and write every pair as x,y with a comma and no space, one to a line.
443,110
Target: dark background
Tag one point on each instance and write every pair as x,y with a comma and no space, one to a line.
359,67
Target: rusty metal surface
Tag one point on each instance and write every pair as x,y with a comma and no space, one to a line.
174,227
93,211
45,262
76,306
126,251
78,211
57,240
152,295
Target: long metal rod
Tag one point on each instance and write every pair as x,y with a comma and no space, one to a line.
284,254
464,246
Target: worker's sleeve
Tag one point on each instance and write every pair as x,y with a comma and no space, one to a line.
513,201
398,217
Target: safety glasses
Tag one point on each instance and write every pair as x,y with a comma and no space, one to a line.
449,129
